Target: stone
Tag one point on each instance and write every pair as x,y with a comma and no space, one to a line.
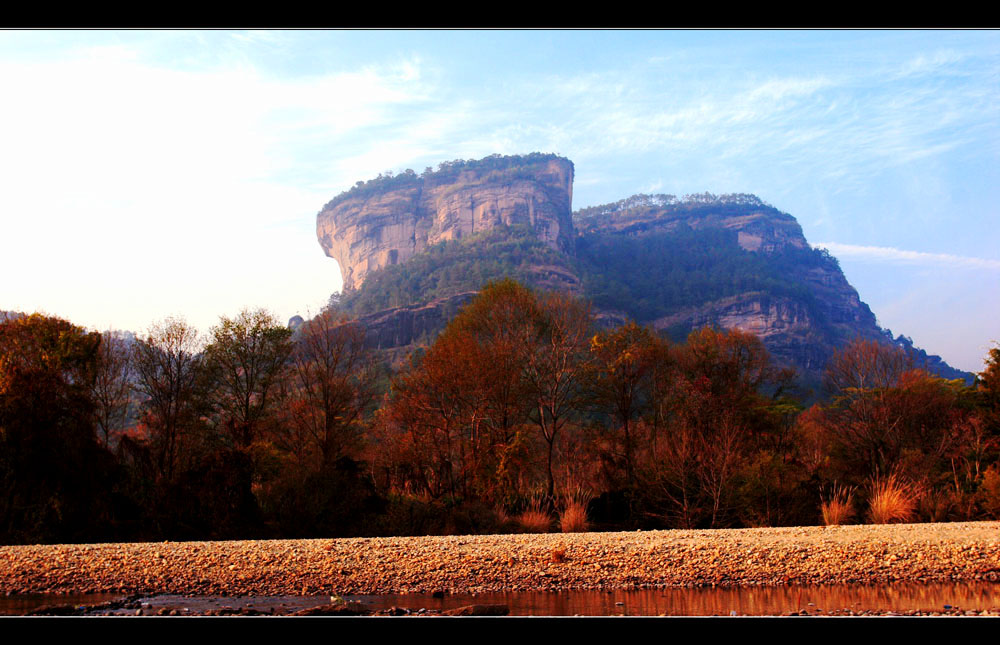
479,610
333,610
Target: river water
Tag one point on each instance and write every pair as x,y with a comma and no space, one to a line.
744,601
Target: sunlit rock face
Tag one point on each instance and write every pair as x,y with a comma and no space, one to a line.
371,229
793,333
390,220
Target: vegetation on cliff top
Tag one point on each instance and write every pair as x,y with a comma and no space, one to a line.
495,168
700,203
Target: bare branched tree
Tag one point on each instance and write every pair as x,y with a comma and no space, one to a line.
112,387
555,369
334,385
168,365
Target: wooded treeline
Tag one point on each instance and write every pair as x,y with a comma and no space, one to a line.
520,416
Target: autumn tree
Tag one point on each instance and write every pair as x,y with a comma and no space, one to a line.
725,404
498,330
464,406
246,357
988,385
555,369
52,469
886,416
488,344
621,372
334,385
426,430
866,417
112,386
864,366
169,372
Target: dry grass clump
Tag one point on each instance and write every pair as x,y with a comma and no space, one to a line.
573,518
502,517
990,491
892,499
839,507
535,519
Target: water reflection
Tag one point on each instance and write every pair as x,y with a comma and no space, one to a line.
746,601
20,604
752,601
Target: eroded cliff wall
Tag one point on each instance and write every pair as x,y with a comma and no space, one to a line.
796,299
369,230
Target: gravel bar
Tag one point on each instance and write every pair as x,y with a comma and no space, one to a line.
868,554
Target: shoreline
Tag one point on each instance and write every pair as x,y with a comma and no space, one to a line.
861,554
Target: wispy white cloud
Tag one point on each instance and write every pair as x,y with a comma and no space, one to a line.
149,179
931,62
842,125
889,254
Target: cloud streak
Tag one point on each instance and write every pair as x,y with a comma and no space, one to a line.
889,254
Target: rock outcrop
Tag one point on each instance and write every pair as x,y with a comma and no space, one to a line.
366,229
759,227
403,326
803,308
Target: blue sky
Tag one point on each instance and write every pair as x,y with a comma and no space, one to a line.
179,172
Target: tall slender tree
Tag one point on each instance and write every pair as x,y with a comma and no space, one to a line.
555,369
168,366
112,387
247,356
334,385
51,465
621,372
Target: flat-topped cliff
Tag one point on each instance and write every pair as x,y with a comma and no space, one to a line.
389,220
411,247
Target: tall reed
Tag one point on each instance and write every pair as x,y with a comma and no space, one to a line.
534,518
573,518
839,507
892,499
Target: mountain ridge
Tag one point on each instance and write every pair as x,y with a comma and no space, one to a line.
675,264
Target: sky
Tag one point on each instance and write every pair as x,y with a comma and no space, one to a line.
156,173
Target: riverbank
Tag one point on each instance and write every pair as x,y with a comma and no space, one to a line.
868,554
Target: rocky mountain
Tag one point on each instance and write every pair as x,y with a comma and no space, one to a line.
391,219
413,248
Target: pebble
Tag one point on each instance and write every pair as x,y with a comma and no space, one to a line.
610,561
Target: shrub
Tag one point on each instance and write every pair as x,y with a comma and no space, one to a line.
535,519
573,518
891,499
839,508
989,491
503,518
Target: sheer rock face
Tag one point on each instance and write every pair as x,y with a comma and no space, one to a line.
794,334
368,232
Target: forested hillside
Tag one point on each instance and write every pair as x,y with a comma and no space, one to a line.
730,261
